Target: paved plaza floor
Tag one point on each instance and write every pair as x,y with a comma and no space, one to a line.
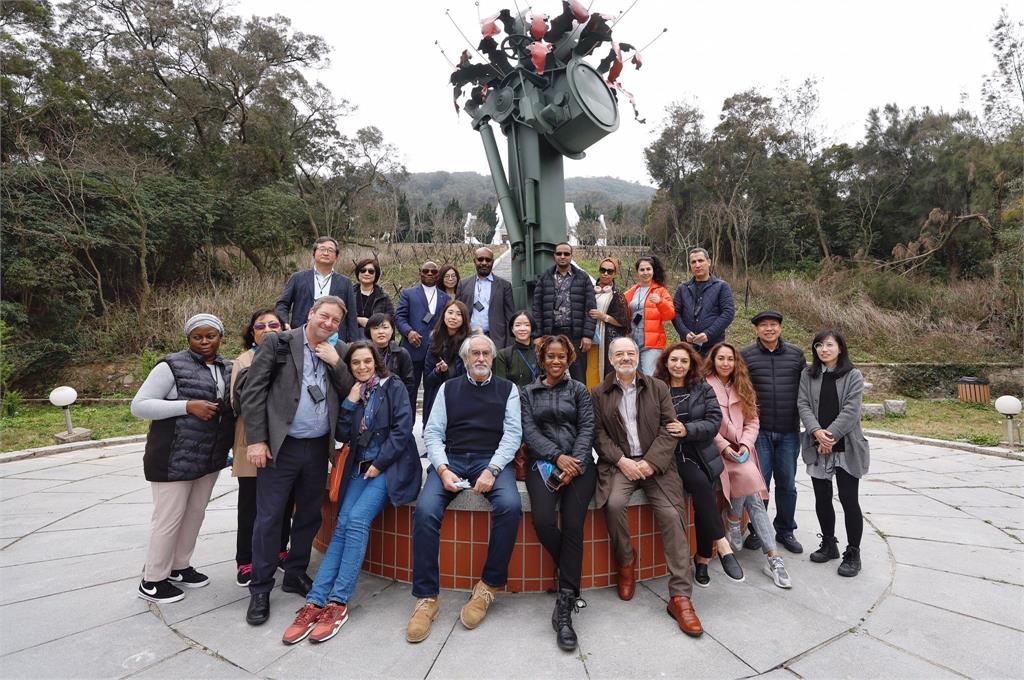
941,593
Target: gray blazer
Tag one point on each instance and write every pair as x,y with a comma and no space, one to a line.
501,308
850,387
271,392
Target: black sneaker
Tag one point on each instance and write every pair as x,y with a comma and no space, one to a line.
161,592
701,575
788,541
188,578
752,541
828,550
851,562
244,575
731,567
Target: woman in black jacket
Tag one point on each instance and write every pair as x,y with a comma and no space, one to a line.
518,361
697,459
370,297
443,361
558,428
380,329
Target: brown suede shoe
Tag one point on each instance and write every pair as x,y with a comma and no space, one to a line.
304,621
475,610
332,618
422,618
627,580
681,609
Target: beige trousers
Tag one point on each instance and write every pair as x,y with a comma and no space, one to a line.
178,512
673,529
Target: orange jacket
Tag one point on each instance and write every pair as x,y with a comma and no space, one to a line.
655,315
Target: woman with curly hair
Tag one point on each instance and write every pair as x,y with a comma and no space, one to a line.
742,482
443,361
697,460
650,307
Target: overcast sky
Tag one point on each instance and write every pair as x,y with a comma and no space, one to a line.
864,55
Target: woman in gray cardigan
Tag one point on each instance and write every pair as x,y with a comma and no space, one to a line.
833,444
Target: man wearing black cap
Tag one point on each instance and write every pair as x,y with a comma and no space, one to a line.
775,368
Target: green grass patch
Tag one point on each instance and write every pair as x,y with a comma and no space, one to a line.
34,425
948,419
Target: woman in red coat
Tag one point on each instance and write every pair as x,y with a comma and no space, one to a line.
650,308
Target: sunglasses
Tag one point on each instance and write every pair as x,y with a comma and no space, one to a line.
367,270
605,270
263,326
563,254
428,271
485,259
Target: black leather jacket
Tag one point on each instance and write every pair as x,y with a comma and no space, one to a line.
558,419
702,416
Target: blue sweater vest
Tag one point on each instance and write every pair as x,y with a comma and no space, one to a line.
476,414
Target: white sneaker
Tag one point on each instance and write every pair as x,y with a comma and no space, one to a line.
777,570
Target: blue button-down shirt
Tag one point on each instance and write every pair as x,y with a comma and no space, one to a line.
480,318
311,420
437,425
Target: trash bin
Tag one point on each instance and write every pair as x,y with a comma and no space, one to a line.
974,390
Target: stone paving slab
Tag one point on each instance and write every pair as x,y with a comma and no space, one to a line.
942,553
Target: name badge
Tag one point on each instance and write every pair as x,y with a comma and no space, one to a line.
478,306
428,317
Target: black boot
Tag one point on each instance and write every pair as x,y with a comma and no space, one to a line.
828,550
851,562
561,619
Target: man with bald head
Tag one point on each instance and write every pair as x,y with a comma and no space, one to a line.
488,298
416,316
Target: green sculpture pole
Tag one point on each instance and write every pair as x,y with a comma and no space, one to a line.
549,105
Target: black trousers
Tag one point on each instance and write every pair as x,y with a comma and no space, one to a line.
417,378
705,509
247,518
854,519
565,544
301,469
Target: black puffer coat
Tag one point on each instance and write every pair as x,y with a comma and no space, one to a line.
776,378
581,301
185,448
699,411
558,419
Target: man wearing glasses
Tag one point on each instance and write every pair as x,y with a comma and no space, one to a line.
562,300
309,285
416,316
704,305
489,299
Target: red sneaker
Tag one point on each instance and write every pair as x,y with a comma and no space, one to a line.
303,624
333,618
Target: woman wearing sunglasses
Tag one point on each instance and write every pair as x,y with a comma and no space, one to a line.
371,298
612,316
558,429
263,321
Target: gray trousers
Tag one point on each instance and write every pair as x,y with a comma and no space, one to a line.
758,517
671,523
178,512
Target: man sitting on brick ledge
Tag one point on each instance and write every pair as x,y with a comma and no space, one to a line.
471,437
636,450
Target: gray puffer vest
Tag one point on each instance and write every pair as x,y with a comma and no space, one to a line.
185,448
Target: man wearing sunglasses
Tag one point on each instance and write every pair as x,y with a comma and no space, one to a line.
562,300
488,298
309,285
416,316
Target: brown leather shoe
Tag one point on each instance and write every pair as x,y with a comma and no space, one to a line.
627,580
681,609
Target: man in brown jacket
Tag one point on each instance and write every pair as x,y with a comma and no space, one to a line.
635,450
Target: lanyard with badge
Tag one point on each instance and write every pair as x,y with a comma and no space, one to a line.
316,393
477,305
533,371
321,288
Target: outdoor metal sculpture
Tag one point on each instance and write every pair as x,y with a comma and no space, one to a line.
549,103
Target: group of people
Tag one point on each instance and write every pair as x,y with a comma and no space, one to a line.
583,391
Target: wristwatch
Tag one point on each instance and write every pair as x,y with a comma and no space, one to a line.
495,470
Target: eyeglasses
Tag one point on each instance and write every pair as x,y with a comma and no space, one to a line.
485,259
326,249
605,270
273,325
563,254
428,271
367,270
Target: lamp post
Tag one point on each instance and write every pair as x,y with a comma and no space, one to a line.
1009,406
64,396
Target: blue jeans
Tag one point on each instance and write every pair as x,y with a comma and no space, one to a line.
778,452
506,511
339,570
649,360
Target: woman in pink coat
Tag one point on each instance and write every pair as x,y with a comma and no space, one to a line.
742,482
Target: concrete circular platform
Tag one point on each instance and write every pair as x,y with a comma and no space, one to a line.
942,555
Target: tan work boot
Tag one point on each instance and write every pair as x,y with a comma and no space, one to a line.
476,609
422,617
